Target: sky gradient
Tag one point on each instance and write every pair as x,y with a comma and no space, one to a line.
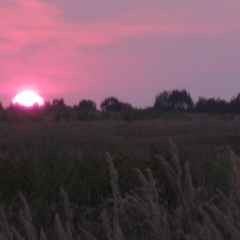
129,49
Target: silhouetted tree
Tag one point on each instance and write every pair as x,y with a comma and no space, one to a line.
17,112
175,99
47,105
61,110
202,105
211,105
58,104
1,112
87,106
234,104
112,104
162,101
180,100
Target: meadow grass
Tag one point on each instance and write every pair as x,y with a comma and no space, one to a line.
146,187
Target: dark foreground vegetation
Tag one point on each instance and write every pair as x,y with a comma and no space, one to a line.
166,103
172,178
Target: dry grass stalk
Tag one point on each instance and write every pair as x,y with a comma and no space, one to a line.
69,215
4,226
188,237
232,202
3,236
234,199
87,235
66,206
114,230
224,223
27,220
69,231
147,204
235,169
175,158
16,234
114,184
227,218
173,177
206,230
59,230
194,219
190,203
43,235
112,227
184,190
149,188
188,188
117,230
190,206
107,225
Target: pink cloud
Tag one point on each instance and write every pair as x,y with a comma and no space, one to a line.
40,49
36,22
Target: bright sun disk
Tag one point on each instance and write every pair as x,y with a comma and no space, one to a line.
28,99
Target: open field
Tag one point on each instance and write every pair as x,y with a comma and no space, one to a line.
38,158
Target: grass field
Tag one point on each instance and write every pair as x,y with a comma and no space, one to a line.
38,158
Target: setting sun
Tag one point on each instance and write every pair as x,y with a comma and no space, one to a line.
28,99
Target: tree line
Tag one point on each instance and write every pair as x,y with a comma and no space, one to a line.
166,101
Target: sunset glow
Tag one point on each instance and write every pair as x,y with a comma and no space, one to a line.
28,99
132,50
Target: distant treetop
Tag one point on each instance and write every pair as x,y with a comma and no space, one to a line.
176,99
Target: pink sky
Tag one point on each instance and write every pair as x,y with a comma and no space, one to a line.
131,50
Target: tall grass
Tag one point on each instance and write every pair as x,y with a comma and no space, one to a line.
143,212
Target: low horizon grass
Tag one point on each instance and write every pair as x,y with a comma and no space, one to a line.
142,213
146,188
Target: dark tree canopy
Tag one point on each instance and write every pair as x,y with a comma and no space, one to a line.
112,108
211,105
176,99
1,107
161,101
235,104
87,106
58,104
112,104
180,100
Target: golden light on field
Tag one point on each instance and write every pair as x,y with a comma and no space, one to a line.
28,99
